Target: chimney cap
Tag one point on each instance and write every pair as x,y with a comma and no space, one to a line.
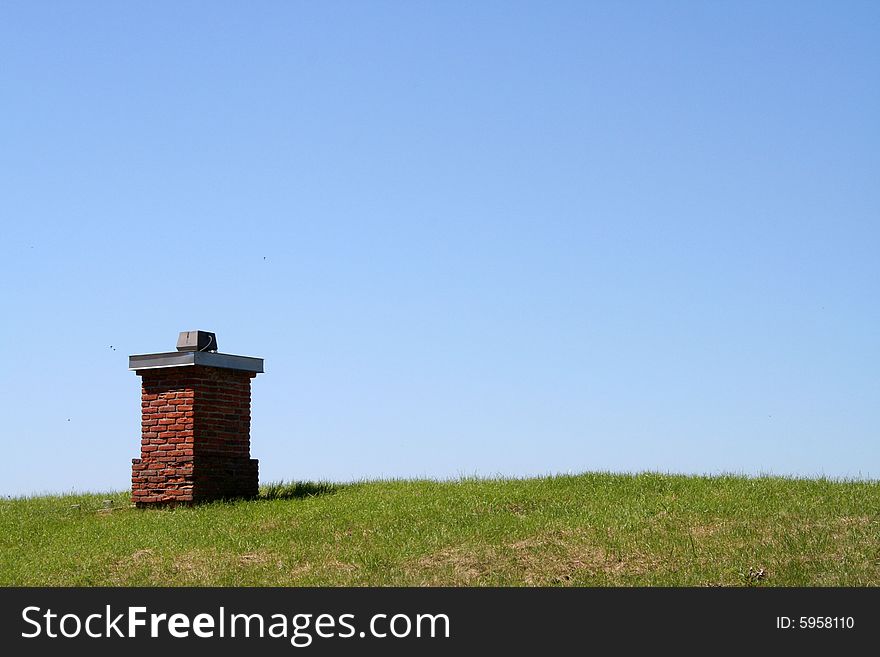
196,341
195,348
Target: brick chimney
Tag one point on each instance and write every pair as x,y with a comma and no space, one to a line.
195,424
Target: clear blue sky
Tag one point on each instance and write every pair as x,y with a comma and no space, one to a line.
468,238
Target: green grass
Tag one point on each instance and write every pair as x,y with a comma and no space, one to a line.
585,530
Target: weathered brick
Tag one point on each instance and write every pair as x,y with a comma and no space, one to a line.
195,436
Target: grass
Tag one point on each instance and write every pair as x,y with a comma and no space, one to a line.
585,530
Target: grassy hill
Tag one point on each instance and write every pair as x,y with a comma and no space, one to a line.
591,529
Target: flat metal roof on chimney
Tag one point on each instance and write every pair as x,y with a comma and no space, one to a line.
195,348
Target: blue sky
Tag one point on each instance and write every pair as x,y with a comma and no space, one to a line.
486,238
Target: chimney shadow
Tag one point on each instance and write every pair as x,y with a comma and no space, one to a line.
297,490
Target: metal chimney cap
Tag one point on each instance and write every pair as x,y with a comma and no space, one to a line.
140,362
195,348
196,341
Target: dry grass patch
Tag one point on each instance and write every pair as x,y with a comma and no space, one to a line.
565,557
453,566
